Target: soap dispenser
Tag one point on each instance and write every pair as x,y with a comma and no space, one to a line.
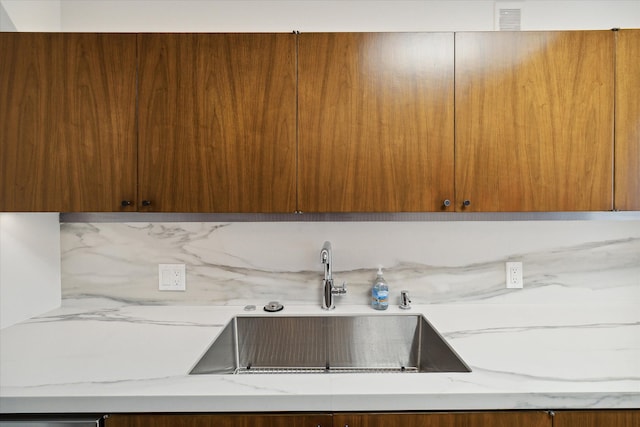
380,292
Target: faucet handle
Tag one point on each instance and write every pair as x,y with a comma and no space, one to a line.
339,290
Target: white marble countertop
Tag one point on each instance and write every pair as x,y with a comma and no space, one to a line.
106,357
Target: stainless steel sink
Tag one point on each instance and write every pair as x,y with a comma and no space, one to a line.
329,344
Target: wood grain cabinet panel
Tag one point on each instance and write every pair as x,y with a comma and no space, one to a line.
627,152
221,420
217,120
601,418
67,121
595,418
463,419
375,122
534,120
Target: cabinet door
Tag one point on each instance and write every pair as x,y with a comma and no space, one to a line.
534,120
67,121
217,122
601,418
471,419
375,122
223,420
627,163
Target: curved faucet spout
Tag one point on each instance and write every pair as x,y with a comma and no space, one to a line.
325,258
328,290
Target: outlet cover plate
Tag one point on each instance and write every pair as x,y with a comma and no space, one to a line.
514,275
172,277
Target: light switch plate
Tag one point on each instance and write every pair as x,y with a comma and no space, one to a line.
172,277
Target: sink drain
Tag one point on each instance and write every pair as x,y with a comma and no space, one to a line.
273,306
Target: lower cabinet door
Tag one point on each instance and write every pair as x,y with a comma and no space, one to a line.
463,419
222,420
601,418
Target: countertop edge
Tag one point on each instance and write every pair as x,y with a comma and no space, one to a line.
372,403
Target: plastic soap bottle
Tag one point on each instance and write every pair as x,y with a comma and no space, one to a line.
380,292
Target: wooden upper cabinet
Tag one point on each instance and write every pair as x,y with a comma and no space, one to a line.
217,120
627,153
67,121
375,122
534,120
462,419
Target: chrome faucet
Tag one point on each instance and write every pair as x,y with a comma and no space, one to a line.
328,290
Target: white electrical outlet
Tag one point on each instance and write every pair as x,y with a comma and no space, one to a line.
172,277
514,275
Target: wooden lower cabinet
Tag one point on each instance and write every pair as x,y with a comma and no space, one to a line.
602,418
466,419
219,420
463,419
596,418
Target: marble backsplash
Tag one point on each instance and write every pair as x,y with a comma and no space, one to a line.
564,262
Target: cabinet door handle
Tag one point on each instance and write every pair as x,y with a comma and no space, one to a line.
466,203
126,203
446,203
146,203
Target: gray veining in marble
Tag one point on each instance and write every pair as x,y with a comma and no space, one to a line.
105,356
252,263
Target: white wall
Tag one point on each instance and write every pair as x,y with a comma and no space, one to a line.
337,15
309,15
278,16
32,15
580,15
6,24
29,265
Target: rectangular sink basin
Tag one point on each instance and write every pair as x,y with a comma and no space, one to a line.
329,344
